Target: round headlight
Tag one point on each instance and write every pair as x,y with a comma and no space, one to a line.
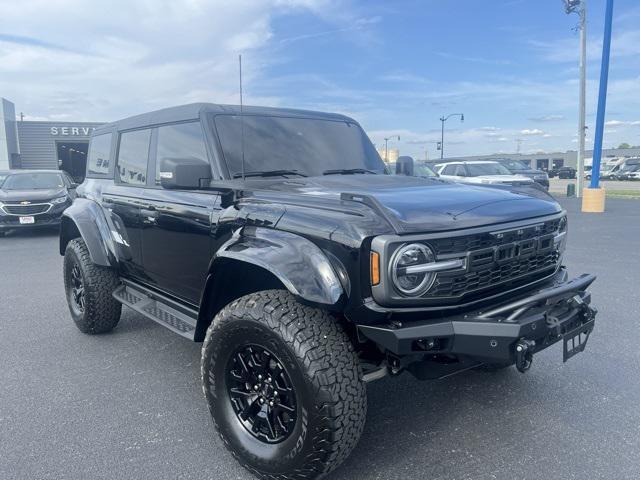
405,269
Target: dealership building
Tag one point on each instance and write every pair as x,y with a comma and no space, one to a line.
45,145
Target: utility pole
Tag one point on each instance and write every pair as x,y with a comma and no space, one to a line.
582,128
580,6
519,143
386,147
444,119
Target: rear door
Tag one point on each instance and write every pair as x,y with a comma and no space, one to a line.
123,198
176,224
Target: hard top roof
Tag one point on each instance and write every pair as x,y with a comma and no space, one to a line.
472,162
193,110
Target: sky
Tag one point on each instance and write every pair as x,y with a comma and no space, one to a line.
511,66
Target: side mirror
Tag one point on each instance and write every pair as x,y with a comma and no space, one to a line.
404,166
187,173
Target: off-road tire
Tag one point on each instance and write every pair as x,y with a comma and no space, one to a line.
101,311
323,366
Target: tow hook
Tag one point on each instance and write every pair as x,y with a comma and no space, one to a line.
524,354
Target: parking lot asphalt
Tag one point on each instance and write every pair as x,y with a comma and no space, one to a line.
129,404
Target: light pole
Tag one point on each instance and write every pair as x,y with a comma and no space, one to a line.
580,6
386,147
444,119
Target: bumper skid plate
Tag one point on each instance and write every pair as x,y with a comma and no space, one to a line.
508,333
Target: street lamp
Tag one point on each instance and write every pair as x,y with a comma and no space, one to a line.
444,119
386,147
580,7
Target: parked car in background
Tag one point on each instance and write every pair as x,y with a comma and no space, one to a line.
567,172
407,166
635,175
517,167
34,198
480,172
627,172
628,167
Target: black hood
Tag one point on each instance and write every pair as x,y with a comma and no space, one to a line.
417,204
31,195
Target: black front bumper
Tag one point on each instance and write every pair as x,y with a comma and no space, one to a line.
499,335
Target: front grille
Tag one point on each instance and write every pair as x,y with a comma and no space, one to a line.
494,274
32,209
466,243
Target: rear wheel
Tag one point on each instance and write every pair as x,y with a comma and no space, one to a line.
89,289
283,386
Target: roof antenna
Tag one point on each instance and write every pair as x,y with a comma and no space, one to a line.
241,116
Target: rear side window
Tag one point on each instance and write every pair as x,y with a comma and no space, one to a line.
449,170
460,171
99,156
183,140
133,155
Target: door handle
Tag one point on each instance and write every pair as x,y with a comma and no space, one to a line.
149,216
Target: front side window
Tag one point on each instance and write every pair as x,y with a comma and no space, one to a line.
180,141
99,155
478,169
33,181
515,165
133,154
309,146
422,170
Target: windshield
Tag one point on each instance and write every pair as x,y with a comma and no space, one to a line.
308,146
514,165
630,167
33,181
477,169
422,170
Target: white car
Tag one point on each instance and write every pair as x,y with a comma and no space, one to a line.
480,172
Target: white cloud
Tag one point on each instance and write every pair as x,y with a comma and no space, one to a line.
531,132
547,118
106,60
617,123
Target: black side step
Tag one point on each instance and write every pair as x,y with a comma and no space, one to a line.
159,309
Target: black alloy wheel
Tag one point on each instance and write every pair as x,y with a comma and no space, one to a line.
261,393
77,289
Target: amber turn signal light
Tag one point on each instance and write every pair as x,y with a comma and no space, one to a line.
375,268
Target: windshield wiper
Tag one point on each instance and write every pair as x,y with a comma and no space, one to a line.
347,171
269,173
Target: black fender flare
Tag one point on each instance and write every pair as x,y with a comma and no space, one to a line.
301,266
86,219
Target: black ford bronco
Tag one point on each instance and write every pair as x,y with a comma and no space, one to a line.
278,238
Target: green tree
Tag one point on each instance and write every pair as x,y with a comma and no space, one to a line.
624,145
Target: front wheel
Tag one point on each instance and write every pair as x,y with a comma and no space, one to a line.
283,386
